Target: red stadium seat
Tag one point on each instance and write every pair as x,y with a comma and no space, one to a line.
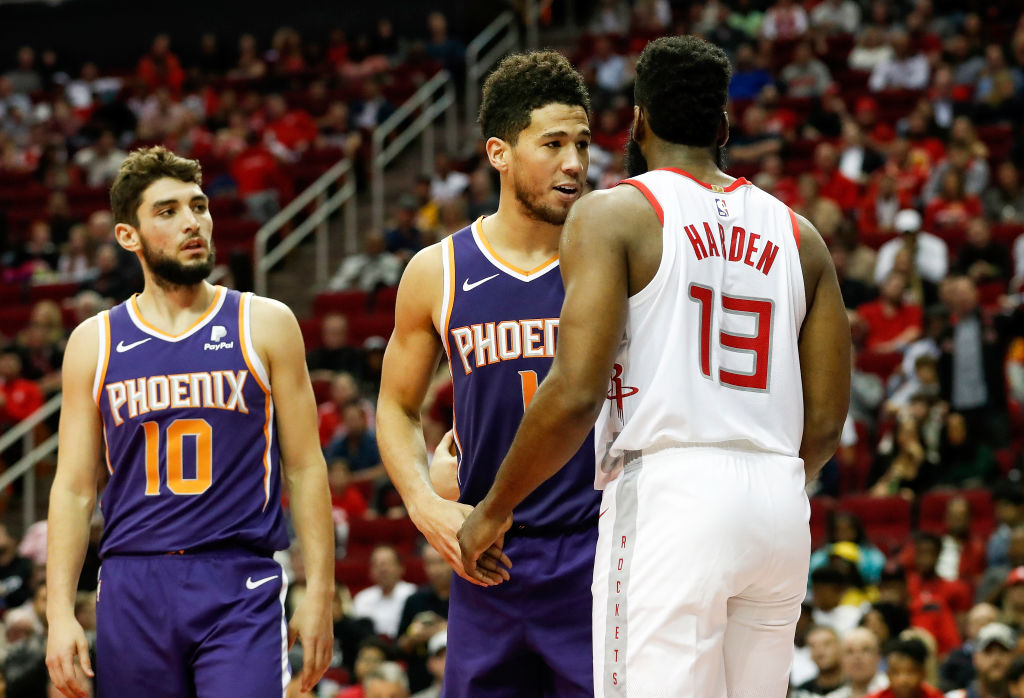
14,319
345,302
363,326
886,519
355,574
878,363
384,299
311,332
52,292
365,534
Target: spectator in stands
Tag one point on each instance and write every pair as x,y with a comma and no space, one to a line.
160,115
374,108
958,670
336,130
904,70
335,354
383,602
160,67
953,206
966,64
368,270
446,50
890,323
755,141
842,527
880,203
993,581
374,348
101,160
836,17
405,239
293,129
424,617
110,281
995,647
347,502
828,587
749,75
37,256
15,571
24,77
372,652
926,612
436,653
388,680
980,258
824,643
886,620
784,20
607,72
19,398
250,65
610,17
971,364
963,553
1008,499
930,253
822,211
447,183
1015,677
481,199
1013,599
1004,202
858,159
924,582
968,157
344,391
906,668
805,75
861,661
833,183
870,49
261,183
358,446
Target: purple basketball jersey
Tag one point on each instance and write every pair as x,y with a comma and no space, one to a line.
500,329
190,436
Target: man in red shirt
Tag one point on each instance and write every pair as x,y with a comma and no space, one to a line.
889,323
834,185
19,397
925,580
906,669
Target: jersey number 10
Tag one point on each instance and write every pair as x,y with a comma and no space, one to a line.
758,344
177,483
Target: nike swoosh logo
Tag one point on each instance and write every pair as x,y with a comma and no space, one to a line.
122,347
249,584
466,286
602,513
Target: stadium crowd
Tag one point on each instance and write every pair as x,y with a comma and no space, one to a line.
895,127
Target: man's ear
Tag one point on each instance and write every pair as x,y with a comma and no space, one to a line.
723,130
498,153
127,237
639,126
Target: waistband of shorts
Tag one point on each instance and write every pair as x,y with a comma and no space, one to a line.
211,550
552,531
633,459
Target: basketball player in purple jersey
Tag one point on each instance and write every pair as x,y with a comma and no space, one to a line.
704,329
172,389
489,296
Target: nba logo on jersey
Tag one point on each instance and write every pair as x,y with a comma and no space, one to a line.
722,210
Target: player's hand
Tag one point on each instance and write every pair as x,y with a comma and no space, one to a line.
439,521
481,540
311,625
67,658
444,469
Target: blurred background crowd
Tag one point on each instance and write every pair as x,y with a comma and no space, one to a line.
895,127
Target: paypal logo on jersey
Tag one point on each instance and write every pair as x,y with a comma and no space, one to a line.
217,333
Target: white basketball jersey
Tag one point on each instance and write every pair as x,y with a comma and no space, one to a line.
710,353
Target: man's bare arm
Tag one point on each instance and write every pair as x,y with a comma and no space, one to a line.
595,269
72,499
277,337
824,354
409,364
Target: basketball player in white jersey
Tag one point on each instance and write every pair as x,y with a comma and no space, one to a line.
717,315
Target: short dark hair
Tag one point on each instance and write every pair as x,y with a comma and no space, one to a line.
929,537
523,82
140,169
912,648
682,82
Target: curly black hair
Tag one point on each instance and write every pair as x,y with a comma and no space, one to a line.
682,82
523,82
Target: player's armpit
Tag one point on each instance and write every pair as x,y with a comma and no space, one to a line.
825,349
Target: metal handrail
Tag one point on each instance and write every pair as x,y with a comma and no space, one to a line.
24,427
26,467
477,67
265,259
434,98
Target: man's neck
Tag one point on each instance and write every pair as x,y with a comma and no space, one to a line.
162,303
997,689
832,677
512,228
695,161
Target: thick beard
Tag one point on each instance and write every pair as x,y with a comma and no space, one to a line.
636,163
170,272
537,210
